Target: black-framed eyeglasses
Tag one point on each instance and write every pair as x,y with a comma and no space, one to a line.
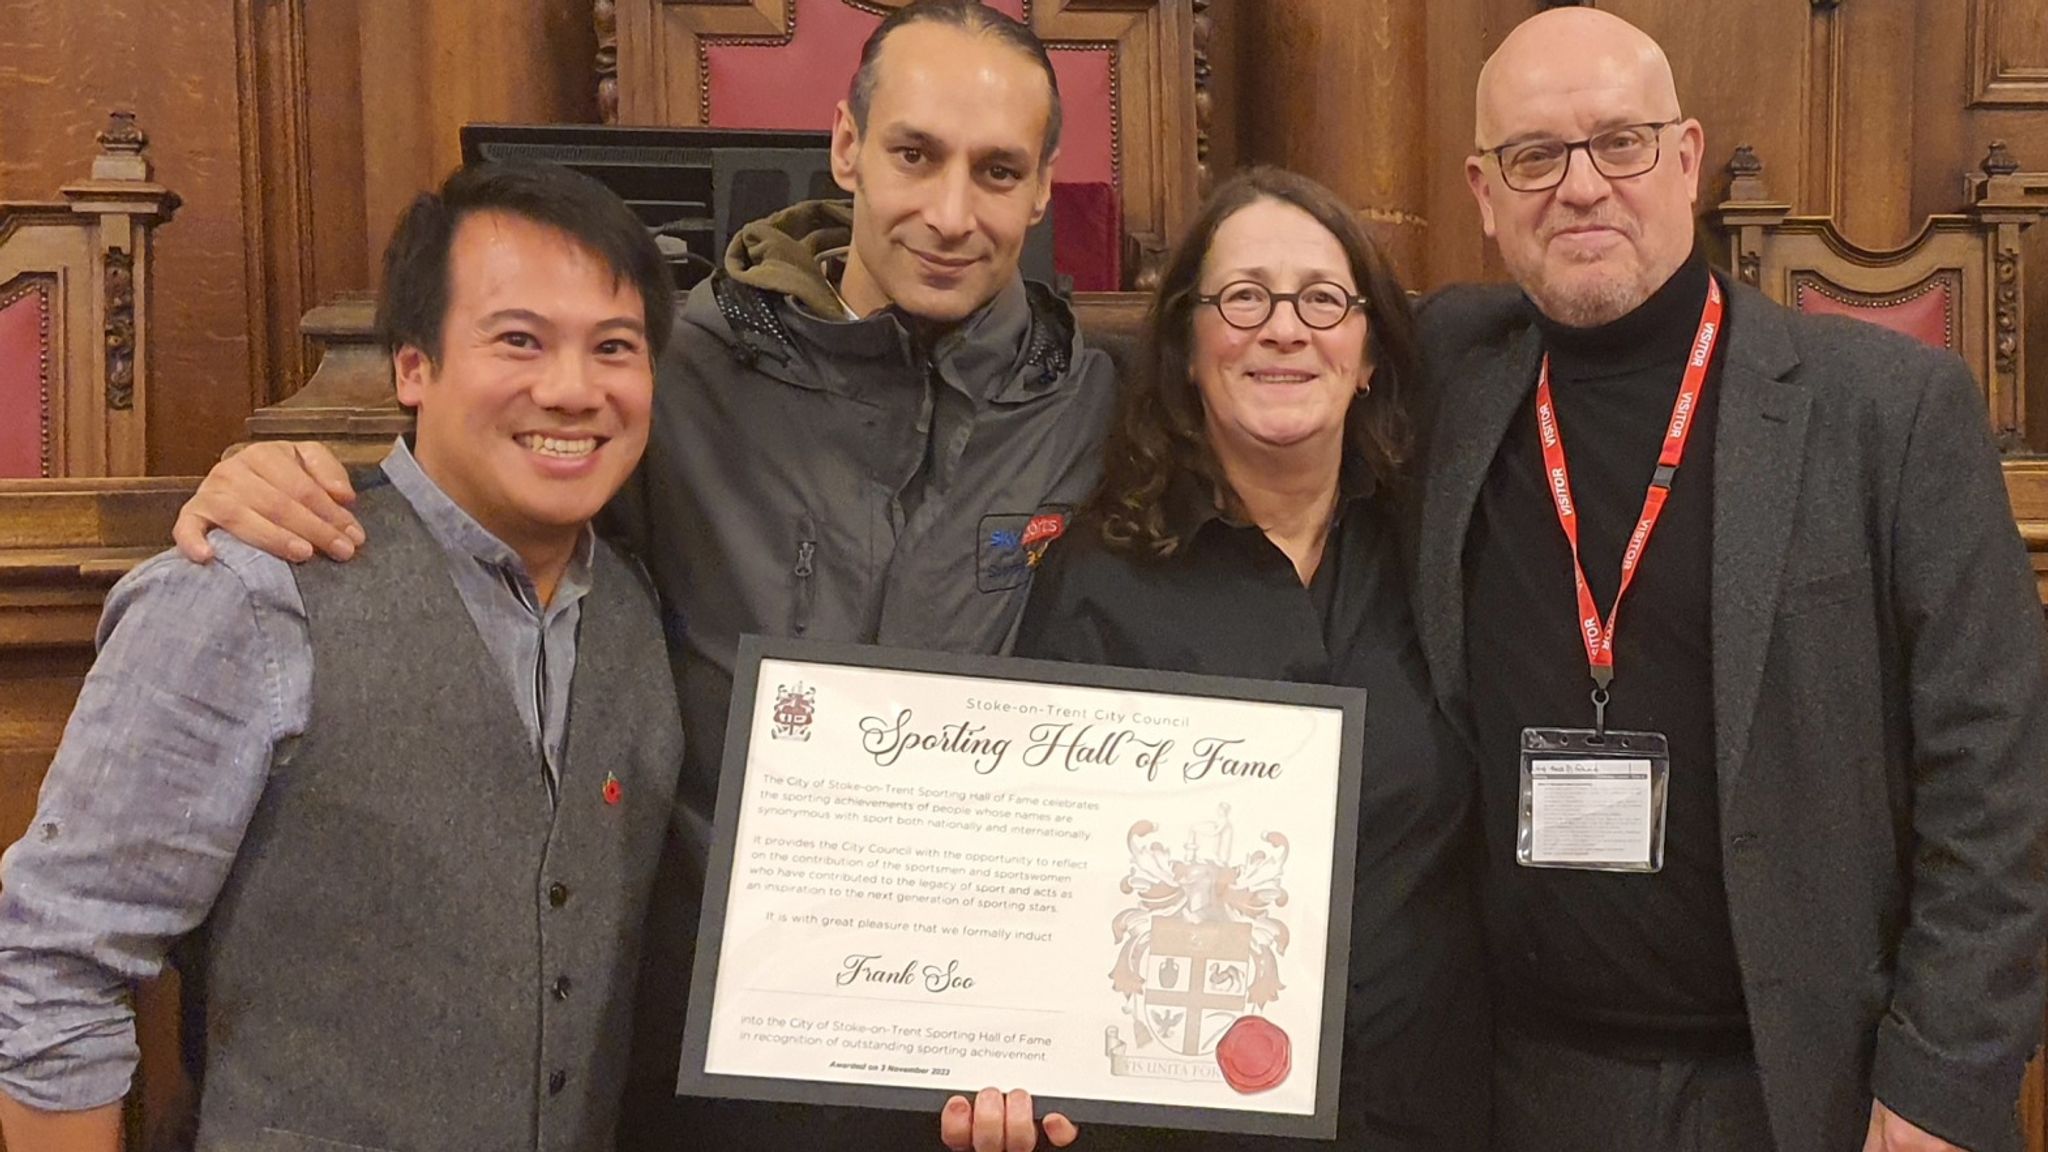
1249,304
1618,153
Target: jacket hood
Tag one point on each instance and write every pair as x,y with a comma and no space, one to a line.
782,253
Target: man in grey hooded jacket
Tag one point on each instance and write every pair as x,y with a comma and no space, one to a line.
867,428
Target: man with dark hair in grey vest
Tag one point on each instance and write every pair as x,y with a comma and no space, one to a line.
404,811
862,411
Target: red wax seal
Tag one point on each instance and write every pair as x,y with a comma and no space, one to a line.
1254,1054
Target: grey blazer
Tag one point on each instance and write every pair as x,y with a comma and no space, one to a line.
1880,704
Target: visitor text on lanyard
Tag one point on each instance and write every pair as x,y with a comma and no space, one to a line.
1597,635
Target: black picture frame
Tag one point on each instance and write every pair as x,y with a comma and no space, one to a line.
693,1080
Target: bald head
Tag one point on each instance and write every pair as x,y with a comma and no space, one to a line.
1568,51
1595,210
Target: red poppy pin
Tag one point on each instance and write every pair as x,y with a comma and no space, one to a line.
612,791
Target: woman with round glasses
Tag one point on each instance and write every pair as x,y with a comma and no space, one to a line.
1245,526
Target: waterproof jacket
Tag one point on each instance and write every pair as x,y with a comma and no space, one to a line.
816,476
837,479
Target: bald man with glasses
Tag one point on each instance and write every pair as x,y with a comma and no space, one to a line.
1730,603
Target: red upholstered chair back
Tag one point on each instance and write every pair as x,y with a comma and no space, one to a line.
1927,311
25,379
1126,173
1953,286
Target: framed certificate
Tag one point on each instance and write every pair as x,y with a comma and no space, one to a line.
1126,891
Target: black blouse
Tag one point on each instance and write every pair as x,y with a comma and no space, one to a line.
1228,602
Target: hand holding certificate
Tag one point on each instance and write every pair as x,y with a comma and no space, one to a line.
1127,890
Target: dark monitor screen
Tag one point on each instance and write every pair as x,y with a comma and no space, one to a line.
697,186
693,185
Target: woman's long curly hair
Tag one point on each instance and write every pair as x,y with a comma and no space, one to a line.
1161,434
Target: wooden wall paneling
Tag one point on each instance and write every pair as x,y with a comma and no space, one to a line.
431,67
1953,131
185,65
276,184
1742,72
1937,140
1818,186
333,74
2008,54
1460,34
1874,179
1348,108
398,144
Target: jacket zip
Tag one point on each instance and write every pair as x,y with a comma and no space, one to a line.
806,552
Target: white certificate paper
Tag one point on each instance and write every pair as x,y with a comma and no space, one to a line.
1127,892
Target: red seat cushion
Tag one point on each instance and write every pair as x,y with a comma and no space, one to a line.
1927,315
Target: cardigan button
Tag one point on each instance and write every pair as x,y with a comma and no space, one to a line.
558,894
557,1080
561,987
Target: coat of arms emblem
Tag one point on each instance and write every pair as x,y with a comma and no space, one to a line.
796,705
1199,948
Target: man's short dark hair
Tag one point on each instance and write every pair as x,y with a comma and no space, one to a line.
968,16
414,302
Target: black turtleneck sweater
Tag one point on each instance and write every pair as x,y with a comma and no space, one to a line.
1641,963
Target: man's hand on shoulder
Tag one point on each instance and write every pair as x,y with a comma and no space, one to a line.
1891,1132
282,498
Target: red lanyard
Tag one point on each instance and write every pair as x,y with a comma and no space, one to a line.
1599,637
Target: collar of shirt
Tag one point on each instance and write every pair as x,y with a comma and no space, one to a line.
1190,505
460,534
1660,331
978,357
832,266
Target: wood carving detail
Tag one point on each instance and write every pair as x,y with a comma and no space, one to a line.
605,15
1999,160
122,134
120,330
1750,268
2006,309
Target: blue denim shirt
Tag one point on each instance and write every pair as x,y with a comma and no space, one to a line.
202,672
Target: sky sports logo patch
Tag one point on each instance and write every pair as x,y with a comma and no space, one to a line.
1012,544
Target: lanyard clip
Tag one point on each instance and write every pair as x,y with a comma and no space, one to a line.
1603,675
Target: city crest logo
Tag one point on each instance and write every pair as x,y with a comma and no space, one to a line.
1198,951
796,705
